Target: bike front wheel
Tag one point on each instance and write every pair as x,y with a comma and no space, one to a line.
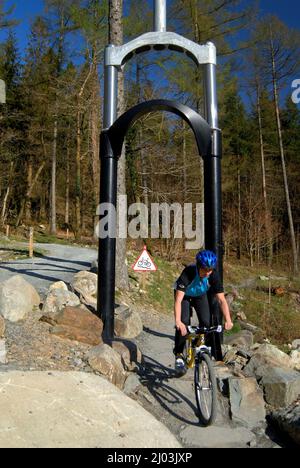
205,389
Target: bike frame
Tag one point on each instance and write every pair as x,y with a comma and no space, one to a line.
193,350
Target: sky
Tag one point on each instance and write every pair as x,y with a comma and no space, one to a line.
26,10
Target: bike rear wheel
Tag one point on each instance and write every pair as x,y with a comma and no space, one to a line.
205,389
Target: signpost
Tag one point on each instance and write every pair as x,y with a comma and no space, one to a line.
144,264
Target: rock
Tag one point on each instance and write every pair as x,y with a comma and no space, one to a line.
59,285
3,357
130,354
216,437
128,323
17,299
236,306
223,374
230,355
2,327
74,410
132,384
78,324
85,284
55,303
296,344
288,421
248,326
281,387
272,356
243,339
107,362
230,299
241,316
76,334
94,267
247,402
264,278
295,357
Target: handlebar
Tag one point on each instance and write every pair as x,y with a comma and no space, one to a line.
204,331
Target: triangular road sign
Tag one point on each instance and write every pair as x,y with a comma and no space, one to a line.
144,262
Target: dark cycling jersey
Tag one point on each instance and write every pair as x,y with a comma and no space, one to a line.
192,285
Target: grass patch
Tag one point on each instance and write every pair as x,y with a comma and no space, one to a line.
41,238
17,253
279,321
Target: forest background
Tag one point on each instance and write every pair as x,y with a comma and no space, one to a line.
51,122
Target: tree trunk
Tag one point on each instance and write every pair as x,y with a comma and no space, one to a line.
78,193
140,139
78,174
282,155
95,119
239,242
28,200
67,206
53,180
6,196
268,220
116,38
29,193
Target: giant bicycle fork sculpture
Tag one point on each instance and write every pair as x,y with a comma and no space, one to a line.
206,131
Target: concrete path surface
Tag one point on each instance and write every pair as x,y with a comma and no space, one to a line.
58,263
73,410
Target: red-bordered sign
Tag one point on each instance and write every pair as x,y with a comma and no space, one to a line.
144,263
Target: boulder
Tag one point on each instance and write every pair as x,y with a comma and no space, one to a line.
77,324
132,384
55,303
3,357
270,356
17,299
281,386
128,323
59,285
296,345
243,340
295,357
2,327
246,402
288,422
130,354
107,362
85,284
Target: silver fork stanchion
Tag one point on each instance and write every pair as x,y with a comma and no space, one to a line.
113,135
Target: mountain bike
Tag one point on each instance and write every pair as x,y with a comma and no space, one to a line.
198,356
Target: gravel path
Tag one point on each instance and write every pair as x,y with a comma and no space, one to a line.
58,263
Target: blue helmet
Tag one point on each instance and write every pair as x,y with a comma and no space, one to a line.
206,259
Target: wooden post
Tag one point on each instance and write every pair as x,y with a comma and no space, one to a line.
143,281
7,231
31,242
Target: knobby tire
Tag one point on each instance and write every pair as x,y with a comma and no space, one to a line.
205,389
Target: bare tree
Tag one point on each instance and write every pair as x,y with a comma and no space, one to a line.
116,38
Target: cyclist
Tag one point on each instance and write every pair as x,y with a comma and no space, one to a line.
191,289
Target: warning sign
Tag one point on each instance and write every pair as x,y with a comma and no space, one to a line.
144,263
